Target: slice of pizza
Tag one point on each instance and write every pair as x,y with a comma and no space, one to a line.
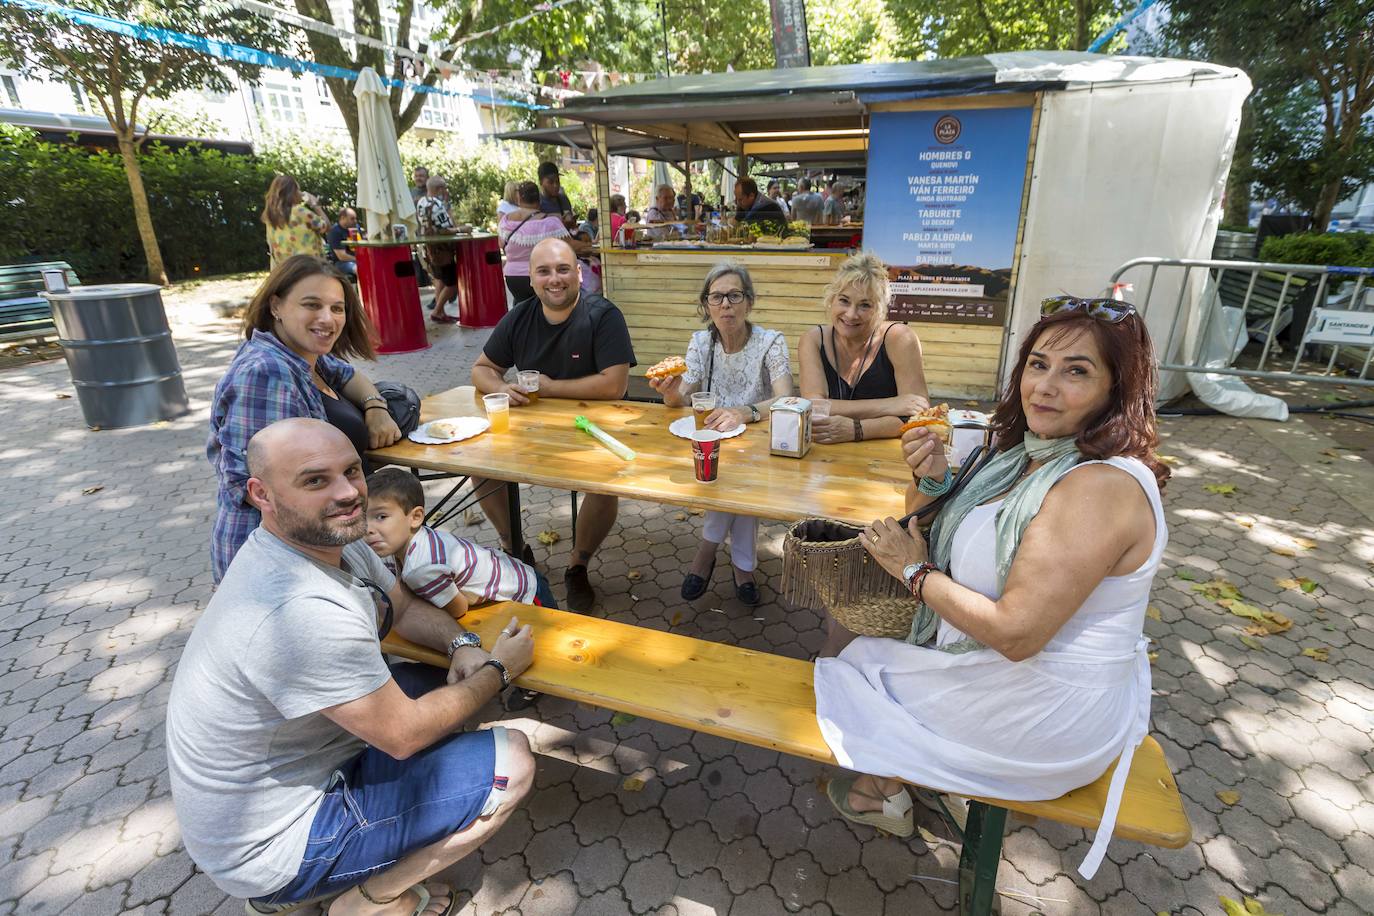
936,418
673,365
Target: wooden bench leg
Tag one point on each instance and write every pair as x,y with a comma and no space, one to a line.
981,855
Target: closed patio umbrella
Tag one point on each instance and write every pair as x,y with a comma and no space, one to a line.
661,177
383,192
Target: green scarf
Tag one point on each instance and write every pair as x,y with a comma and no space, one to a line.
1015,513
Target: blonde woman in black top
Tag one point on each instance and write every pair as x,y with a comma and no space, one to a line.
868,367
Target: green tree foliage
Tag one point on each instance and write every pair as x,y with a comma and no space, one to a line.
119,73
75,202
961,28
850,32
1308,139
367,20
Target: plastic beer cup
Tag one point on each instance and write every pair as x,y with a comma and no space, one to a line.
498,411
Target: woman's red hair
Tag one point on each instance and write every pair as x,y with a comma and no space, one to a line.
1126,426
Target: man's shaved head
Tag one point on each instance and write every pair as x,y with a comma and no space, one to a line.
555,274
274,441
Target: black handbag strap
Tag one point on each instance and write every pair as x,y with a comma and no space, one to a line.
975,462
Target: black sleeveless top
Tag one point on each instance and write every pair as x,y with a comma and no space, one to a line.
878,381
345,416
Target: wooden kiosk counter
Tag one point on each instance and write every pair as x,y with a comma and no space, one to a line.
657,290
989,183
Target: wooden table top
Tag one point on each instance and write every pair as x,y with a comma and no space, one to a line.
854,482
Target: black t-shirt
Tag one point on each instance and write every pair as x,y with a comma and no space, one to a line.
334,238
593,338
765,208
559,204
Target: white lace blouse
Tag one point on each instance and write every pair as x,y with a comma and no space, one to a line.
739,378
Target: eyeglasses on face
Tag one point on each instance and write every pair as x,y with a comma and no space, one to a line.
734,297
1110,310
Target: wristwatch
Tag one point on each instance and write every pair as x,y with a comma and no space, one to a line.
753,413
914,575
463,641
500,669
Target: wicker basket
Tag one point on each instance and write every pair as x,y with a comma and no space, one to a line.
824,564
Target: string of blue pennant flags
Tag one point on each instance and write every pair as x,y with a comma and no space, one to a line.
243,54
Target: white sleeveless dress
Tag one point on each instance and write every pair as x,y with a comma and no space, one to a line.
978,723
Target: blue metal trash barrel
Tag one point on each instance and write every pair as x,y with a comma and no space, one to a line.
120,354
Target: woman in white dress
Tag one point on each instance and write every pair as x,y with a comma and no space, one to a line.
1034,588
746,367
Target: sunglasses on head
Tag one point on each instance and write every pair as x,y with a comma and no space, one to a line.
1112,310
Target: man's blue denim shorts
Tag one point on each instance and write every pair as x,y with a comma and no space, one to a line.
378,809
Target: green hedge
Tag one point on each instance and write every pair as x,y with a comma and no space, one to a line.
1337,249
63,202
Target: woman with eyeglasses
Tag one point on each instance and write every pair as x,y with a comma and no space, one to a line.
1025,674
868,368
746,367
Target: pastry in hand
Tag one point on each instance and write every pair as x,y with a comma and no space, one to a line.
936,418
673,365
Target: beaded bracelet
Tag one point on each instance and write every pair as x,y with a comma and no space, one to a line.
925,485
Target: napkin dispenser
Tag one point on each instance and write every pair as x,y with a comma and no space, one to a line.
789,421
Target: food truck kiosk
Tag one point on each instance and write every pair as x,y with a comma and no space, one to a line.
990,183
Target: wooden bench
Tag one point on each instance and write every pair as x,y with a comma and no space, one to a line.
768,701
24,314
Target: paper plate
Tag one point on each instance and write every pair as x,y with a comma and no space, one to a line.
467,428
683,427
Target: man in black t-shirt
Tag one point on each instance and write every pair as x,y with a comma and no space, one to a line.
580,344
335,249
551,196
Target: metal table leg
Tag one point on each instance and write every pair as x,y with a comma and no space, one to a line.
517,534
981,855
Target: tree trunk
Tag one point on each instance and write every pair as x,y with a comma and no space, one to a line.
1326,202
143,217
1237,212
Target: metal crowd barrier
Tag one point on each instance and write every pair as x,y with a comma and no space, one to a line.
1254,284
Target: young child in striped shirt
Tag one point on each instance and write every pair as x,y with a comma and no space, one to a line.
447,571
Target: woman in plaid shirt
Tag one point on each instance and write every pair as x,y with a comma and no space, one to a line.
302,324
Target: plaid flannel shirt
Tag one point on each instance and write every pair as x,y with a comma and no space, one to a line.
266,382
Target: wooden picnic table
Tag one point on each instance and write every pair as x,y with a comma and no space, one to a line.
854,481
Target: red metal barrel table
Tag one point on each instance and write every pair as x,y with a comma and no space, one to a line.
481,285
391,294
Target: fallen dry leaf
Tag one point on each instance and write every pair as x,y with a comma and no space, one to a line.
622,718
1217,589
696,511
1283,550
1170,460
677,619
95,489
1321,655
1220,489
1251,907
680,517
1304,543
1252,642
633,575
1244,521
632,784
1241,608
1152,612
1187,575
1152,656
161,424
549,538
1228,797
63,396
1272,622
1301,583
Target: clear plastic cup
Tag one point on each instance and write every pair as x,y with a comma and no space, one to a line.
703,402
498,411
527,380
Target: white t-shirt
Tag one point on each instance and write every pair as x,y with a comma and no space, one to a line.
249,752
739,378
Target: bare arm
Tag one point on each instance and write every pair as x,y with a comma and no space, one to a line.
1096,522
395,724
812,374
607,385
490,378
381,428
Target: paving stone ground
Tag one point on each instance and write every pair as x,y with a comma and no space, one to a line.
99,589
